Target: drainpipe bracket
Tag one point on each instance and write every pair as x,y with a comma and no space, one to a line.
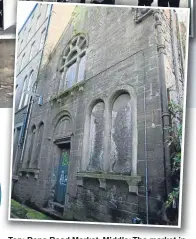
165,114
158,23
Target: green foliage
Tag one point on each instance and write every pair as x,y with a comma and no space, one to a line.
78,16
174,141
24,212
173,196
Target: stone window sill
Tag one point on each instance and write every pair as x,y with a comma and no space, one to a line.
29,171
77,87
132,181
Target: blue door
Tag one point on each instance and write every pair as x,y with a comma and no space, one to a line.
61,184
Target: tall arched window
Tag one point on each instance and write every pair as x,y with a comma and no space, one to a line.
73,62
27,87
32,139
32,51
39,143
22,99
96,137
121,134
22,62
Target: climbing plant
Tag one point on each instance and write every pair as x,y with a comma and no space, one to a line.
174,141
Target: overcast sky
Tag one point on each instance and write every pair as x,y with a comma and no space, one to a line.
24,9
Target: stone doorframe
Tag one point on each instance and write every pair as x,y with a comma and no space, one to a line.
58,143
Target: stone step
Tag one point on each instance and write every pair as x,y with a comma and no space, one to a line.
53,213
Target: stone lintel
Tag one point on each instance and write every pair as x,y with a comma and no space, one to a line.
76,87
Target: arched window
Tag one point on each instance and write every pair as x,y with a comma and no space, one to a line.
121,134
29,35
30,151
27,87
110,133
22,99
16,89
96,137
38,22
20,46
42,39
73,62
22,62
32,51
63,128
39,143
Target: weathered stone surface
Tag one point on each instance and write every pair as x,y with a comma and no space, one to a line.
7,50
96,138
113,121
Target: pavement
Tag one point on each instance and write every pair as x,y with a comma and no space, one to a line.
9,33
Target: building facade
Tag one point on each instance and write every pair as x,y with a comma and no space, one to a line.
30,45
33,48
7,52
96,147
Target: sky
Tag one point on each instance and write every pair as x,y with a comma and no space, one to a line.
24,9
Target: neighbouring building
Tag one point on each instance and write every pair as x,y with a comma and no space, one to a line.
7,56
95,146
32,38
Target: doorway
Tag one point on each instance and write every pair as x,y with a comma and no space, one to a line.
62,176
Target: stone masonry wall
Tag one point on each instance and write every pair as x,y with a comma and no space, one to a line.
7,50
120,56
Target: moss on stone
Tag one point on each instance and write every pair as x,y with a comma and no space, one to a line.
78,16
24,212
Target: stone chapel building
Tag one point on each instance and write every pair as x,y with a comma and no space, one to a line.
96,147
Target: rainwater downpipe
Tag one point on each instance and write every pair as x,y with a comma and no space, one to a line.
145,148
164,99
26,126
